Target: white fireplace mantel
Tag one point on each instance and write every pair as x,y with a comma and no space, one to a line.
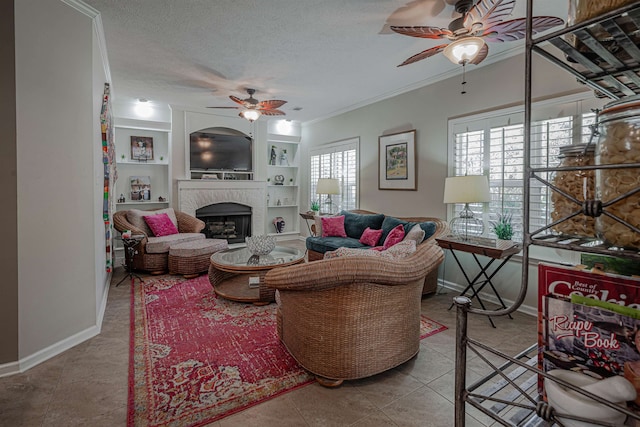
194,194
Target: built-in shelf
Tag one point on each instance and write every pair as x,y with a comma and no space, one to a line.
282,206
146,202
133,162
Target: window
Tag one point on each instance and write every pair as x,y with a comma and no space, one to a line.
493,145
336,160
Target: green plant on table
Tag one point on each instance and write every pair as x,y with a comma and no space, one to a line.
315,205
503,227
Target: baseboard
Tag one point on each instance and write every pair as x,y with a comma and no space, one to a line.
9,369
489,297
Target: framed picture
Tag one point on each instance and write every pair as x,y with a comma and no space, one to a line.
397,161
140,187
141,148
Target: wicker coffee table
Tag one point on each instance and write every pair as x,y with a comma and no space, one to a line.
237,275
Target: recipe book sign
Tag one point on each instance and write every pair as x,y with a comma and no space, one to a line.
584,324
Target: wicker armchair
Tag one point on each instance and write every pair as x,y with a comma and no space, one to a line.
352,317
155,263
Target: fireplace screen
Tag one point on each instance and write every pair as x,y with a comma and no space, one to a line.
230,221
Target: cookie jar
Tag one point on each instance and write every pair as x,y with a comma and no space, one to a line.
580,184
619,143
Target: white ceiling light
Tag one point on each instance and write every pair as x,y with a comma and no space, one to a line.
251,115
464,50
143,109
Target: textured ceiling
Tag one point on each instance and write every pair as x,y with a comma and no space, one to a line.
322,56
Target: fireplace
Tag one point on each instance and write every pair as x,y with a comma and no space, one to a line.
230,221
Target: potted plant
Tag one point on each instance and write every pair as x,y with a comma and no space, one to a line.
315,207
504,230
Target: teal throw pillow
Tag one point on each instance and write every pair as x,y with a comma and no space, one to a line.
355,223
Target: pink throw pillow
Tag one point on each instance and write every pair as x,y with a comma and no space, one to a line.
333,226
160,224
395,236
370,237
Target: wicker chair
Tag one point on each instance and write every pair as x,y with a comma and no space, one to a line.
155,263
352,317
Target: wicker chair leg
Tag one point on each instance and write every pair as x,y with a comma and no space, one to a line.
326,382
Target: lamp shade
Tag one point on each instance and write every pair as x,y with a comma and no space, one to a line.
466,189
463,50
328,186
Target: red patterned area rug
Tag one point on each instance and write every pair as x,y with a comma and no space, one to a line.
196,358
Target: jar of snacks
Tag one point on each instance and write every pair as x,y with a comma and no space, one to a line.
579,184
582,10
619,143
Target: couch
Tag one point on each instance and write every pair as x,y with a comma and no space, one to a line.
356,221
153,252
355,316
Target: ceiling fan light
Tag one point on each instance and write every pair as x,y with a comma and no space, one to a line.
251,115
463,50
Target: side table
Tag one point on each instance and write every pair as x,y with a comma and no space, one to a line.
130,244
485,247
309,217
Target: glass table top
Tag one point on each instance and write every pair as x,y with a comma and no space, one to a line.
242,257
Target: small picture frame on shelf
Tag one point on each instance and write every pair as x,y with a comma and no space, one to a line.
140,188
141,148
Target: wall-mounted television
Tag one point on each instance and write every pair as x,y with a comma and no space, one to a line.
220,149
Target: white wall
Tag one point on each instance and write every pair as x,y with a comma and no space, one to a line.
427,110
60,268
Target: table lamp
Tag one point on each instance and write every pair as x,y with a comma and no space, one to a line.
328,186
466,189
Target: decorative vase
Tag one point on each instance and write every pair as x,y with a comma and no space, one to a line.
278,223
260,245
504,243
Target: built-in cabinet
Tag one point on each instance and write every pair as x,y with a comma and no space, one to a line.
282,191
155,170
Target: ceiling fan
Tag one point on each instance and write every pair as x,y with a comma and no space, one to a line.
480,22
252,109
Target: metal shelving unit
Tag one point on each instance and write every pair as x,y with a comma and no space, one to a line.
610,66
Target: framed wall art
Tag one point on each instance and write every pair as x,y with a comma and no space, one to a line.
397,161
140,188
141,148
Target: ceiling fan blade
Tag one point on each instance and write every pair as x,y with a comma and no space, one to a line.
515,29
424,54
481,55
423,32
273,112
233,108
237,100
488,12
271,104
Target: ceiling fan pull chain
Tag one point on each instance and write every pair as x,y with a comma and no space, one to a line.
464,79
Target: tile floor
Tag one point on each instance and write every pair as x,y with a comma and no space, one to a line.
87,385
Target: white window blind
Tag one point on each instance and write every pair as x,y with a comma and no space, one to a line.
339,160
494,146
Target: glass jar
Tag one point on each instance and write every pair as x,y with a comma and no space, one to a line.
619,143
582,10
579,184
